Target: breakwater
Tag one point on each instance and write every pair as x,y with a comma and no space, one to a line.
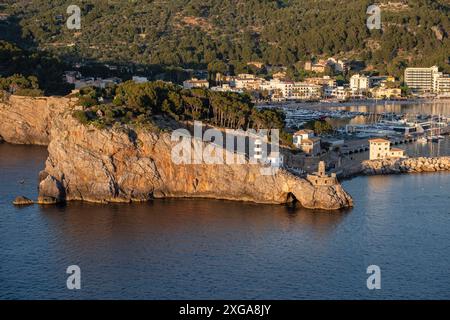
408,165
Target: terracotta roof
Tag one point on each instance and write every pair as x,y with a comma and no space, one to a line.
303,131
378,140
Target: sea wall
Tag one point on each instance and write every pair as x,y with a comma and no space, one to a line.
28,120
408,165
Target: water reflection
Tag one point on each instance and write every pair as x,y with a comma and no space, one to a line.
436,108
204,249
90,222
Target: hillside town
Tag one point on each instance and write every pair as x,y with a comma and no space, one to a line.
420,82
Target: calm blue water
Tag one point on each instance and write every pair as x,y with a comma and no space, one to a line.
192,249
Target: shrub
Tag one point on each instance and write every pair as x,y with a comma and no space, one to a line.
81,116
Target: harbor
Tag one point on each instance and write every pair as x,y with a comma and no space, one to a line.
414,130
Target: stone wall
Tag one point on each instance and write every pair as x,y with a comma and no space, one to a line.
409,165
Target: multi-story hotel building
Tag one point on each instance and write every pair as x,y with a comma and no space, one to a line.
441,84
420,80
359,83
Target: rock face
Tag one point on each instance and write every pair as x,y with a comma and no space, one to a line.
27,120
22,201
392,166
124,165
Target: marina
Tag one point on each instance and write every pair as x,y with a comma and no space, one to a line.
399,121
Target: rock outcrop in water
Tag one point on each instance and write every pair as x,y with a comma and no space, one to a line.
122,164
22,201
409,165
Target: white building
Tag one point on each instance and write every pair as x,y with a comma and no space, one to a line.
359,83
337,64
246,81
226,88
325,81
305,91
441,84
381,149
421,80
138,79
307,142
290,90
340,93
195,83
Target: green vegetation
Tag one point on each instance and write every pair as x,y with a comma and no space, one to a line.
19,66
206,33
137,104
319,126
21,86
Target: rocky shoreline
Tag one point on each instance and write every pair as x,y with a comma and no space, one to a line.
125,164
408,165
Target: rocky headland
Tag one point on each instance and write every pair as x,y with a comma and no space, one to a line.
124,164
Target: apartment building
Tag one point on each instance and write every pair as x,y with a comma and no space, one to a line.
290,90
421,80
441,84
340,93
325,81
247,82
359,83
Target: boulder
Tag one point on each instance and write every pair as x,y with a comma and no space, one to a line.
51,191
22,201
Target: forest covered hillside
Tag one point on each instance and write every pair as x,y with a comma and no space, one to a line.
195,33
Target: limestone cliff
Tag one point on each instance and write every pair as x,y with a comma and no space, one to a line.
27,120
122,164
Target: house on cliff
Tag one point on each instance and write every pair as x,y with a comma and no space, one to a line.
307,141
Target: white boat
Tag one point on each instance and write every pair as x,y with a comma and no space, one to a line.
422,140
